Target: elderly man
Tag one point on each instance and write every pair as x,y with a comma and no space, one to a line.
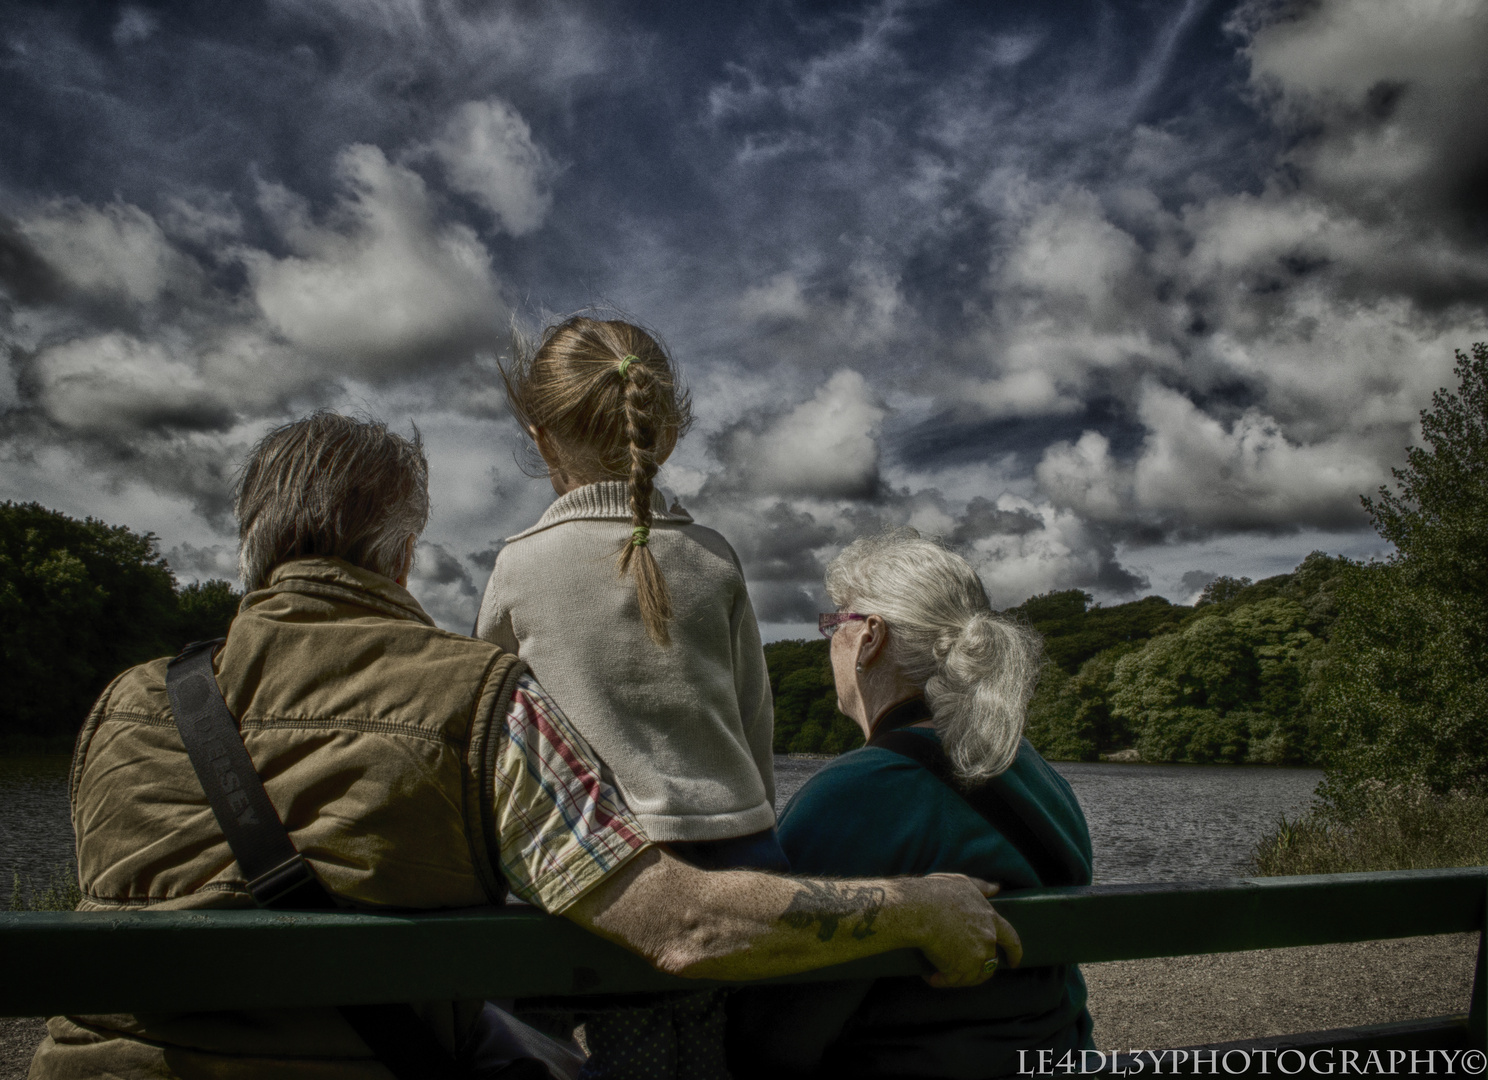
411,768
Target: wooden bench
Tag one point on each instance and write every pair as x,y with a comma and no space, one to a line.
67,962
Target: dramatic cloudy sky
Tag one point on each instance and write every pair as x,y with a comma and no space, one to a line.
1116,296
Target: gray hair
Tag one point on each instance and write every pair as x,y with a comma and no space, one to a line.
332,486
977,669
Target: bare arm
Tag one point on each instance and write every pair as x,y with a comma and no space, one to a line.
739,924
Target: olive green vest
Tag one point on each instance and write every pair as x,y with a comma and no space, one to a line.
342,687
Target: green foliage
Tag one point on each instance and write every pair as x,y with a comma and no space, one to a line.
1402,693
1069,716
204,609
806,716
1314,584
79,602
1223,588
1225,681
1073,631
1227,687
1387,829
1438,520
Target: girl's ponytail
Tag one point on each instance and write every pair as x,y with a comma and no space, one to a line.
606,395
641,436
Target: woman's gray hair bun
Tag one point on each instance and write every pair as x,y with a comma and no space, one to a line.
978,669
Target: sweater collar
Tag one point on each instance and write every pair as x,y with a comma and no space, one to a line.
608,500
339,580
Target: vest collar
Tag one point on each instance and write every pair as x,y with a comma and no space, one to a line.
608,500
335,579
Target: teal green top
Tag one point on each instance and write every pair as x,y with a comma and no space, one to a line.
875,813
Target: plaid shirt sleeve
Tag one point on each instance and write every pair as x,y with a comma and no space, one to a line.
561,828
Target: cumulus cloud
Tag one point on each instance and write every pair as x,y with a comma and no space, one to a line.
1194,583
826,447
117,384
488,151
383,284
116,251
1389,99
1063,551
1195,472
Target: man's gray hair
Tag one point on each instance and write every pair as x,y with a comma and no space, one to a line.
332,486
977,668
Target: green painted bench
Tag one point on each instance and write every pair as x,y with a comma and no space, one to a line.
175,961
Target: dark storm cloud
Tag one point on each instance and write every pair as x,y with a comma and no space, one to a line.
1196,580
444,586
983,518
215,561
24,275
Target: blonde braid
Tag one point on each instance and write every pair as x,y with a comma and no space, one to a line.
641,431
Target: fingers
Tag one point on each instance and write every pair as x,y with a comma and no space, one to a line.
984,936
987,888
1008,940
966,931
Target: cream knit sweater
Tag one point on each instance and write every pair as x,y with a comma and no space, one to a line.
685,730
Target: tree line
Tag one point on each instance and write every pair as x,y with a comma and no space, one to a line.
80,601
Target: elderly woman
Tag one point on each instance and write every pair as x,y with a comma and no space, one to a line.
939,684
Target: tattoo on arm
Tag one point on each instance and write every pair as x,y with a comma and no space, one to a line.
827,905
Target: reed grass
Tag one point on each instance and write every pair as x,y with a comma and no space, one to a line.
1386,829
58,891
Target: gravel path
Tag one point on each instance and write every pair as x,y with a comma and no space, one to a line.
18,1039
1191,1000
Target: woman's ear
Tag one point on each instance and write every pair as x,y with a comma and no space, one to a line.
871,641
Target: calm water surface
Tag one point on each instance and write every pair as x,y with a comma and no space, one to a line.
35,831
1147,822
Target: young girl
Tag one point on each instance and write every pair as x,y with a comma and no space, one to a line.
638,622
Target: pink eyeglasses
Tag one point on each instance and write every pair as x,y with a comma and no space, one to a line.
828,621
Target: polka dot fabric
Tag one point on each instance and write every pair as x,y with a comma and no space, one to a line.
681,1039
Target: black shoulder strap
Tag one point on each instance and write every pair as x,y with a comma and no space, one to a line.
985,799
278,875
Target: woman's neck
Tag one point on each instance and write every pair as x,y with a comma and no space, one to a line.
875,705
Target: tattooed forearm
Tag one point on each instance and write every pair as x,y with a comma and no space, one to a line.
827,905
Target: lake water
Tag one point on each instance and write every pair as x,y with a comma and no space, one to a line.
35,830
1147,822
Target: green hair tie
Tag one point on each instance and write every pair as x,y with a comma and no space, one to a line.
640,536
621,369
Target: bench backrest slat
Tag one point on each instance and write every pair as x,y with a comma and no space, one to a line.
198,960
